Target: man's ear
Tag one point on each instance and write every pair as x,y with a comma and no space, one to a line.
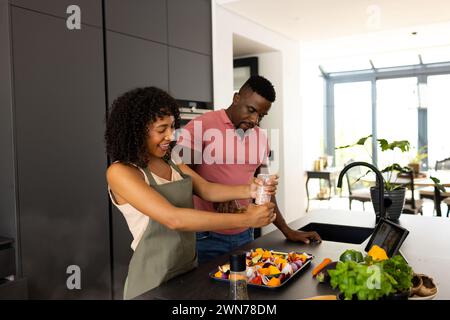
236,97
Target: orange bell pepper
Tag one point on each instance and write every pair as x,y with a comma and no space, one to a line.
274,282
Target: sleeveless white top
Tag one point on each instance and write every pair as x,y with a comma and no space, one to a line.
137,221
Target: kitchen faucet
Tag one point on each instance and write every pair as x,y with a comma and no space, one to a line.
380,183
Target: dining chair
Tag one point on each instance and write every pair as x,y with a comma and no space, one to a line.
357,189
428,193
443,164
447,202
438,200
412,206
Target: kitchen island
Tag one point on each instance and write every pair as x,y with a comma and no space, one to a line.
427,250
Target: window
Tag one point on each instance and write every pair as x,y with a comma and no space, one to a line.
353,107
438,98
412,103
397,116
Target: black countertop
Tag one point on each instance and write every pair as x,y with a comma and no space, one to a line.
427,249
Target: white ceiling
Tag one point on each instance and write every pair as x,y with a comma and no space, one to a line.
312,20
243,46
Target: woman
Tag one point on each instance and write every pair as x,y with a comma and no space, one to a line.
155,194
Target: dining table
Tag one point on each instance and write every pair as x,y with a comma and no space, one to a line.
424,180
423,183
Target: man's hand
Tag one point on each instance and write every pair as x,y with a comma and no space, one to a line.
303,236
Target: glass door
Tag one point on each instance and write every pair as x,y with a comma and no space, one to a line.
438,104
353,120
397,117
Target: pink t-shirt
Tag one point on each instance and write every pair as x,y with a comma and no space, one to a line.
227,158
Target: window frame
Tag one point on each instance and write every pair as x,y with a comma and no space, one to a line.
420,71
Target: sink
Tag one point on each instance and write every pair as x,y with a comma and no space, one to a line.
339,233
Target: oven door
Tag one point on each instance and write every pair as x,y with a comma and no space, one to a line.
188,114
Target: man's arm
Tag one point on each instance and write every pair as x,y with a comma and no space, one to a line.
290,234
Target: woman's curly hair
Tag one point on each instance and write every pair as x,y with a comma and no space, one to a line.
127,123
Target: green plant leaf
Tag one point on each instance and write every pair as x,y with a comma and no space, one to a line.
363,140
403,145
383,144
396,167
344,147
360,142
437,184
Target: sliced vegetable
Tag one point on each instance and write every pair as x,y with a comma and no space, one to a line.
294,266
299,263
274,270
259,251
302,257
323,276
287,270
322,265
256,280
256,258
274,282
263,265
225,267
264,271
266,254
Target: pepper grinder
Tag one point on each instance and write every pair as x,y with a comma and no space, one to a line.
238,276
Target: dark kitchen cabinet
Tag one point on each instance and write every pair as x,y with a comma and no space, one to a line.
59,123
8,221
190,75
189,25
91,10
13,289
122,252
55,90
140,18
134,63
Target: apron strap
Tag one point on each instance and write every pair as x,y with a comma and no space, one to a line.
170,163
176,168
150,178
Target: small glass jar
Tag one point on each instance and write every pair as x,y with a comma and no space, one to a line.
261,195
238,276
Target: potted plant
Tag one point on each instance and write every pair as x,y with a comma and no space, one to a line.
416,160
392,190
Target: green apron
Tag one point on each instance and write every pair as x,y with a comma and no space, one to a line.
162,254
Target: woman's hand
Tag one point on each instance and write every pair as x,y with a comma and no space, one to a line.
260,216
270,187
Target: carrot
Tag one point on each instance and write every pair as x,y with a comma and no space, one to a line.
322,265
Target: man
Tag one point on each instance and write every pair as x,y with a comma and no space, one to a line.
210,158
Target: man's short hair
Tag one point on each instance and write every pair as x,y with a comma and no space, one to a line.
261,86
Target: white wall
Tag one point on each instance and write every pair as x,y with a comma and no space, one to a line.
282,68
270,65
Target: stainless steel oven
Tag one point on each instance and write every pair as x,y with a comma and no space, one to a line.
191,110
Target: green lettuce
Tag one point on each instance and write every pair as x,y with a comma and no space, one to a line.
371,280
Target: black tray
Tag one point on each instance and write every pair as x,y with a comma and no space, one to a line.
304,266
